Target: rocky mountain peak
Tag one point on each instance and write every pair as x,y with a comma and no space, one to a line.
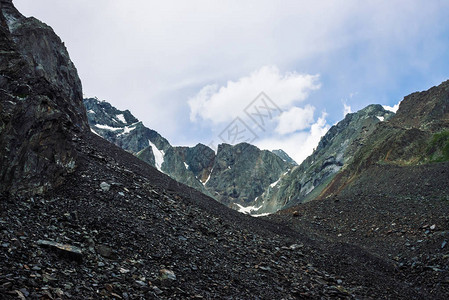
335,149
282,154
425,110
116,228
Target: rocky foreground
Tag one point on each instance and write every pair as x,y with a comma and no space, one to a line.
118,229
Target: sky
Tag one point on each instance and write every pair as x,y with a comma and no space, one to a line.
277,74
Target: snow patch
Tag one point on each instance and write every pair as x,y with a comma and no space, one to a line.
94,132
90,111
121,118
380,118
261,215
208,177
128,129
106,127
158,156
11,21
392,108
248,209
274,183
187,166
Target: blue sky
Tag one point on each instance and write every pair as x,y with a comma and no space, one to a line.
189,68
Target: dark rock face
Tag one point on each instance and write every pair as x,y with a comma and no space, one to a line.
41,105
336,147
175,164
241,173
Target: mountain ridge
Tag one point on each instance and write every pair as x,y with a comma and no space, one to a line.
222,175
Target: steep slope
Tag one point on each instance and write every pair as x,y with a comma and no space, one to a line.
415,135
335,149
41,105
236,176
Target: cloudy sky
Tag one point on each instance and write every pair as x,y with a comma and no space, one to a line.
277,73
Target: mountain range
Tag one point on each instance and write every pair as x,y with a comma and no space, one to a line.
236,175
240,176
82,218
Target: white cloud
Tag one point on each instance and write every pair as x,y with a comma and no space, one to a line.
295,119
222,104
150,56
393,108
298,145
346,109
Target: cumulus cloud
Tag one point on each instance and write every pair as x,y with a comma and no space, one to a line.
222,104
393,108
346,109
292,126
298,145
295,119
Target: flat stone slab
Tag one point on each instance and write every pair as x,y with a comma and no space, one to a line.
64,250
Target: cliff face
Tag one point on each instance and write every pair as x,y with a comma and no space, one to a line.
242,173
41,105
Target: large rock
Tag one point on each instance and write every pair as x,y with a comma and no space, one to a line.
41,105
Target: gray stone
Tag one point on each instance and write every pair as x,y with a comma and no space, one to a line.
334,150
165,274
106,251
65,250
105,187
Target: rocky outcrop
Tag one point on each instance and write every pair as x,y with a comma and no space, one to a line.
41,105
285,157
334,150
